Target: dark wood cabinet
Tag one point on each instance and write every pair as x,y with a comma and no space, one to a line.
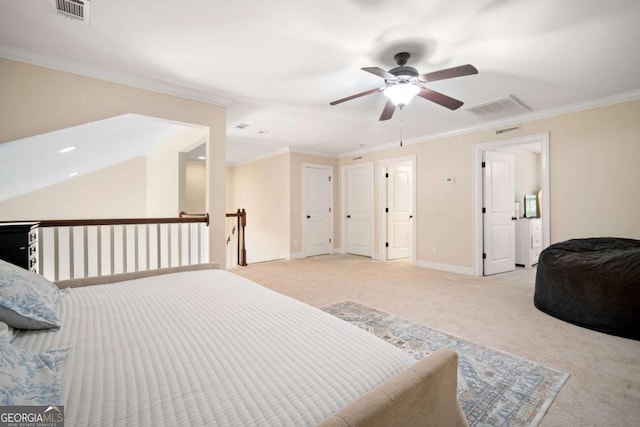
19,244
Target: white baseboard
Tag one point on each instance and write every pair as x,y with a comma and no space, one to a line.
338,251
298,255
446,267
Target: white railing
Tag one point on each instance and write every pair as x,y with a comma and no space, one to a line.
75,249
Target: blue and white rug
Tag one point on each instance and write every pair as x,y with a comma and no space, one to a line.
494,388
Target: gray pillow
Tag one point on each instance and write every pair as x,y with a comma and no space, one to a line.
27,300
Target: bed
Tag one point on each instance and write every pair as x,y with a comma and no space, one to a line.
592,282
211,348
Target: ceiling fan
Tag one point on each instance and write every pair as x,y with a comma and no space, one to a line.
402,83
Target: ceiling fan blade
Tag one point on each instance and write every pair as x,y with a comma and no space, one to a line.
440,98
357,95
379,72
449,73
389,108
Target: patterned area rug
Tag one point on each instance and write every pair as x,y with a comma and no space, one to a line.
494,388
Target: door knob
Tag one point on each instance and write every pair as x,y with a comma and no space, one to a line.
308,216
348,216
410,216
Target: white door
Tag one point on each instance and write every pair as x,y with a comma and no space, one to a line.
399,210
498,218
318,201
358,208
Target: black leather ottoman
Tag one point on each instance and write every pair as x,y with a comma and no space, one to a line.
594,283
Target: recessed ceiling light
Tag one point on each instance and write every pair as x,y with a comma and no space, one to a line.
72,174
202,158
67,149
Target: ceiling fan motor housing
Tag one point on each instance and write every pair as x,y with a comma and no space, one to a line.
404,72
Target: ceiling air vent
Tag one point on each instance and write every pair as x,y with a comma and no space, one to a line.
499,108
76,9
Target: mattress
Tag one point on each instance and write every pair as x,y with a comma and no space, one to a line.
207,348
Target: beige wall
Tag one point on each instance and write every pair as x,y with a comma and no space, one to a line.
196,177
271,192
166,193
37,100
437,224
230,207
262,189
593,190
594,172
593,181
114,192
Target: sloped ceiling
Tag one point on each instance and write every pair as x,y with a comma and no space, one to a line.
36,162
278,64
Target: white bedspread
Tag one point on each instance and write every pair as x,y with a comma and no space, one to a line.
208,348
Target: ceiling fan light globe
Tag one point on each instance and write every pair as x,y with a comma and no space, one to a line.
401,94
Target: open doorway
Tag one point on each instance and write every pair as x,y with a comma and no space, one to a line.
536,145
194,200
397,197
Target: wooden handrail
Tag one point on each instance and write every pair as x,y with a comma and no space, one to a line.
120,221
188,215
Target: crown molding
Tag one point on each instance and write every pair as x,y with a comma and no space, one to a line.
297,150
260,157
218,100
521,118
72,67
509,121
310,152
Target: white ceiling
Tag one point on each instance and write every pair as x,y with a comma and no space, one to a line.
36,162
277,64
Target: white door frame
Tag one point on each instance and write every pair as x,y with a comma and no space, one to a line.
382,201
476,213
343,213
304,204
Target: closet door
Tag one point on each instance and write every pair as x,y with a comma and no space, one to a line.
358,209
318,201
399,210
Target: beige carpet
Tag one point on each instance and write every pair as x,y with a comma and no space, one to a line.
604,384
